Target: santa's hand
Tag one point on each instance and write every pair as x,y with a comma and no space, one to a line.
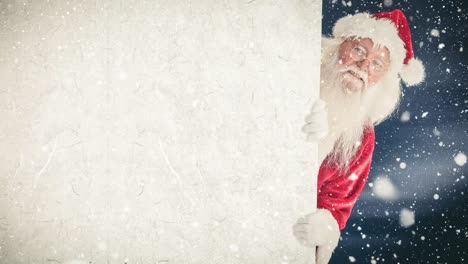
316,122
318,229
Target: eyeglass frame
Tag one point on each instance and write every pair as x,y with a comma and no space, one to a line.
358,56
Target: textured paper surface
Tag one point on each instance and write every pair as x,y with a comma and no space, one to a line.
156,132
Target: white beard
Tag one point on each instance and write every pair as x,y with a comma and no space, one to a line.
349,113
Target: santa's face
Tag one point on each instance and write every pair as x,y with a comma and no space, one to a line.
361,64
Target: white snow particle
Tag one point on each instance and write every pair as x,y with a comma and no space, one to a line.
441,46
406,217
460,159
353,176
436,132
388,3
384,189
423,238
435,33
402,165
436,196
405,116
424,114
352,259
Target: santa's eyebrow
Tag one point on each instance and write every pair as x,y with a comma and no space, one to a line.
382,55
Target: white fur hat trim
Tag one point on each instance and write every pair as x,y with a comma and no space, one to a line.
413,73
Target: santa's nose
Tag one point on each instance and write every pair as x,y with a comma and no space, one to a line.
364,65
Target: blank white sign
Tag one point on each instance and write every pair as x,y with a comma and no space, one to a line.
156,131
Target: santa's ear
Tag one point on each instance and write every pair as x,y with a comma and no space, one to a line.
413,73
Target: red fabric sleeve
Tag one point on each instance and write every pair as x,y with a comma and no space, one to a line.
338,192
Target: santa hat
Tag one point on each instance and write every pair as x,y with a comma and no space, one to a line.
389,29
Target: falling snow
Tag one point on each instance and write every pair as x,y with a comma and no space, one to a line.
384,189
405,116
406,217
460,159
353,176
402,165
435,33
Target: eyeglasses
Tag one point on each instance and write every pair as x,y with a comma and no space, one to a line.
359,53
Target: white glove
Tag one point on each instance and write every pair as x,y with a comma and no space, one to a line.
318,229
316,122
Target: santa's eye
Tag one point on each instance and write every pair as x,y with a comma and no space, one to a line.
377,64
359,51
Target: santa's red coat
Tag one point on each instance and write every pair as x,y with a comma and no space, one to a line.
337,191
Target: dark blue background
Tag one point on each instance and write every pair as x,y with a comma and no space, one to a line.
440,232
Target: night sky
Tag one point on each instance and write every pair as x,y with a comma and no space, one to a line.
417,148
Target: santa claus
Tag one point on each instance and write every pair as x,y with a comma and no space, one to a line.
361,69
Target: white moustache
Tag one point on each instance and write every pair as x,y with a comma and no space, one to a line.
355,70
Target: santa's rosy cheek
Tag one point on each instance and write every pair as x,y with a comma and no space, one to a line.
374,78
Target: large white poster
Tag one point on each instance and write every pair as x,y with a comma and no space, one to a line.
156,131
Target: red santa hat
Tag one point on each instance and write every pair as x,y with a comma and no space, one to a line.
389,29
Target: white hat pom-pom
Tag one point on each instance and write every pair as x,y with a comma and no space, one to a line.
413,72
